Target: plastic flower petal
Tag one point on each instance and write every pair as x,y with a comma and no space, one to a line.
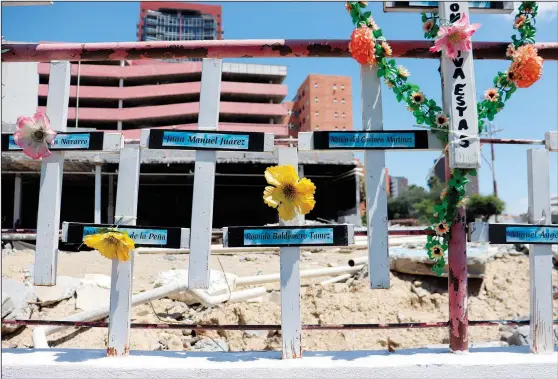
287,193
455,38
34,135
437,252
362,46
526,67
442,228
113,244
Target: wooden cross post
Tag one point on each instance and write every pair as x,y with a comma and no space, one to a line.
206,141
52,167
540,235
459,103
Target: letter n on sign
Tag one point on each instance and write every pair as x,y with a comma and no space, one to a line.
459,97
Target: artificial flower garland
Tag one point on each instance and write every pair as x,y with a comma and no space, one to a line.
369,46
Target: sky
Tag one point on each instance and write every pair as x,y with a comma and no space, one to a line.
529,114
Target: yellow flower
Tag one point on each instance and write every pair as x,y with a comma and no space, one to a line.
287,193
463,201
437,251
372,24
389,83
444,193
113,244
442,228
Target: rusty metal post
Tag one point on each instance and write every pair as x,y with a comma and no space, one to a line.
457,285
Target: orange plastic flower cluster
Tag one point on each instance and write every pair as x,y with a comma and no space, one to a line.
526,68
362,46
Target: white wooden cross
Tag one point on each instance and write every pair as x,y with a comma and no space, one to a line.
541,235
374,140
50,194
206,141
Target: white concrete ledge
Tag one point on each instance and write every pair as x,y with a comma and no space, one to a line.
491,363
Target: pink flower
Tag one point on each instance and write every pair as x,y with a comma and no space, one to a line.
455,38
34,135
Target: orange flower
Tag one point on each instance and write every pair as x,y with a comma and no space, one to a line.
442,120
427,26
363,3
417,97
444,193
389,83
491,94
519,21
348,7
526,68
362,45
387,48
403,71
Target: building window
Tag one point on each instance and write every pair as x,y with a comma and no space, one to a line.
316,99
316,113
344,128
334,100
315,84
342,86
317,127
334,86
290,112
335,114
343,101
335,127
343,115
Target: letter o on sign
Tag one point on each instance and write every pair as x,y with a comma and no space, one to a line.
454,7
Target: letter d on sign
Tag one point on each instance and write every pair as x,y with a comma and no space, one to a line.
459,97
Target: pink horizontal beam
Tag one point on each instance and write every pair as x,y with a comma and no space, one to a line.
275,48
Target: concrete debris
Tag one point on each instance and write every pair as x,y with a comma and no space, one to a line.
16,297
90,296
64,289
99,280
219,284
213,344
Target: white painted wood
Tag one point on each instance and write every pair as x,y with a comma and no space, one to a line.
50,193
144,138
97,214
185,238
375,176
289,257
204,178
459,90
122,272
551,141
113,142
540,256
17,199
269,142
478,232
305,141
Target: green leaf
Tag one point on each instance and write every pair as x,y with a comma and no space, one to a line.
377,33
399,97
366,15
424,17
473,172
381,73
420,120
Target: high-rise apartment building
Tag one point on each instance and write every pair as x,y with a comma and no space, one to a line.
172,21
398,185
322,102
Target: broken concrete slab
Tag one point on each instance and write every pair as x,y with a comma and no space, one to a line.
64,289
416,261
16,297
91,296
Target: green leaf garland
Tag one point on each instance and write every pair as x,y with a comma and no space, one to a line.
427,112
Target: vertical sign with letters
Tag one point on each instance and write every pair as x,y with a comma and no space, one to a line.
459,92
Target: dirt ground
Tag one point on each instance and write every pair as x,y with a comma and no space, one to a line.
503,294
